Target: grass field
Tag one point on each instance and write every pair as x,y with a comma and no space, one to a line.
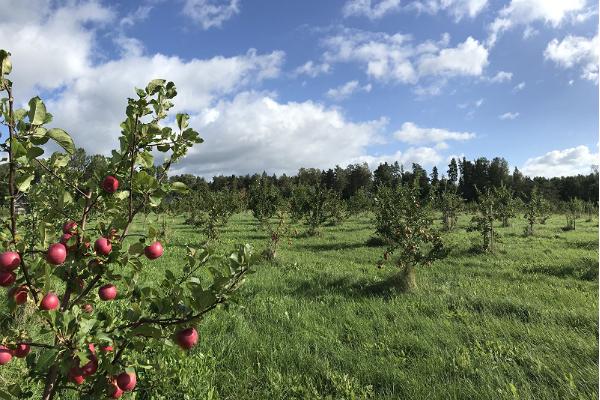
521,323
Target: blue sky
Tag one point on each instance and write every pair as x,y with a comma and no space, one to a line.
275,85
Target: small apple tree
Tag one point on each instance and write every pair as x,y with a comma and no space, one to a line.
483,221
263,199
315,204
533,211
506,204
93,337
406,226
573,210
450,202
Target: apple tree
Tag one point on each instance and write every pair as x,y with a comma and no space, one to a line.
406,226
80,313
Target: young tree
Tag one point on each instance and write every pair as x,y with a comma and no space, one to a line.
483,221
573,210
210,211
533,210
263,199
407,227
506,204
450,203
315,204
67,343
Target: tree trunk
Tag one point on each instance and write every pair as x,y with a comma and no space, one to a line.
51,383
407,280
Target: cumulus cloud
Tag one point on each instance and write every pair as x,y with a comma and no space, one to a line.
413,134
525,12
576,51
509,116
572,161
346,90
396,58
211,13
457,8
370,9
50,47
312,69
255,132
93,105
468,58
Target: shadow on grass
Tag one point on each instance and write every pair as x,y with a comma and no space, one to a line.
585,269
330,246
320,286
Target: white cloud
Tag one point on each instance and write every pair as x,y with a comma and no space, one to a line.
424,156
254,132
457,8
468,58
370,9
92,106
525,12
572,161
519,87
395,58
413,134
312,69
50,47
211,13
576,51
346,90
509,115
500,77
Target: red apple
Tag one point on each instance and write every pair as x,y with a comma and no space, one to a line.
187,338
19,294
114,390
88,308
5,355
57,254
7,278
103,246
106,348
22,350
9,260
126,381
76,375
69,227
90,367
153,251
110,184
49,302
107,292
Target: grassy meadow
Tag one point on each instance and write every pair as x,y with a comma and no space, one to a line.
322,322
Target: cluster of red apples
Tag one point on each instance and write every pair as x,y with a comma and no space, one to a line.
56,254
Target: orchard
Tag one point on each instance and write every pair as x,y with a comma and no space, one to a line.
123,277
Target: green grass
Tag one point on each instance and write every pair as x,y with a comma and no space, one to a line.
521,323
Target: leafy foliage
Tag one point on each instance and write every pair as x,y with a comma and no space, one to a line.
407,227
65,331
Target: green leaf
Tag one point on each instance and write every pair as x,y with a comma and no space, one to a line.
148,331
23,182
37,111
179,187
63,139
145,159
5,64
154,85
182,121
122,195
136,248
34,152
